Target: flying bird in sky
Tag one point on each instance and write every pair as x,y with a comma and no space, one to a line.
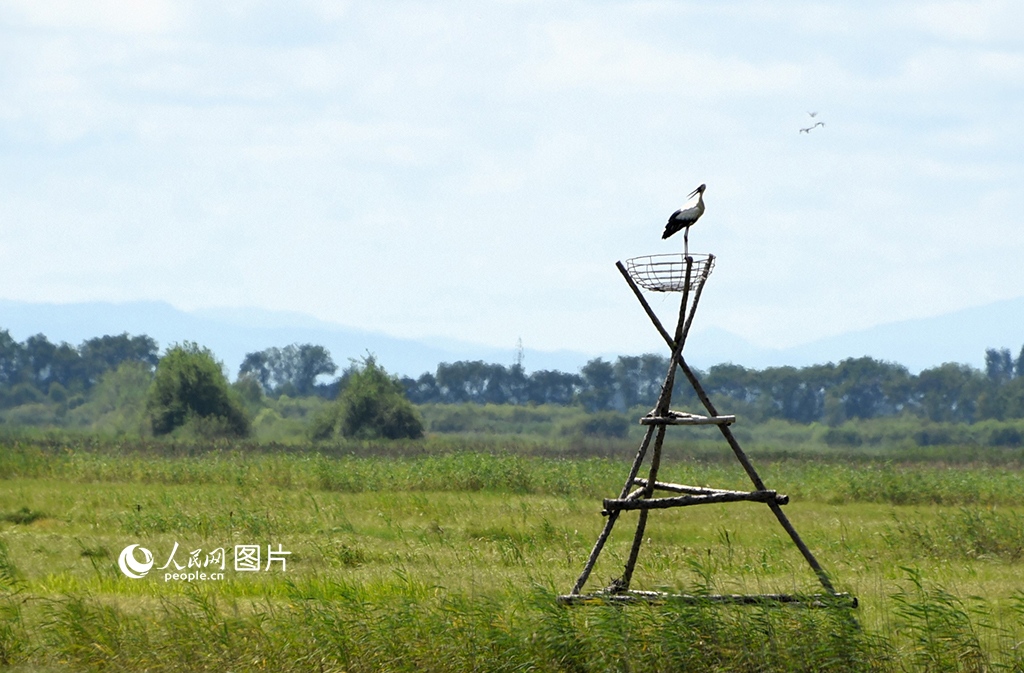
813,126
685,217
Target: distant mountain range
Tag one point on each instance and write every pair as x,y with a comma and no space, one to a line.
961,336
232,332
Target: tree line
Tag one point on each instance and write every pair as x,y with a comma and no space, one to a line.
855,388
36,368
185,391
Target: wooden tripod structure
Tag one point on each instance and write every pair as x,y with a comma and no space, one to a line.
683,274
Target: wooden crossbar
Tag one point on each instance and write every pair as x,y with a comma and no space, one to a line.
683,418
696,490
613,504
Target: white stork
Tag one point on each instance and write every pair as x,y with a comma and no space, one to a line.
685,217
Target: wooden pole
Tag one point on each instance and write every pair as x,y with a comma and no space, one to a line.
622,584
758,484
643,302
662,409
613,517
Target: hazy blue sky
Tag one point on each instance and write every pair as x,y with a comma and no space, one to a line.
474,169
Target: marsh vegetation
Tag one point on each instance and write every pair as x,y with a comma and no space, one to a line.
447,553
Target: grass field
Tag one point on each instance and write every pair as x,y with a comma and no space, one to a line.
448,554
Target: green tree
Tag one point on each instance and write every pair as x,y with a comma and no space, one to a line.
10,359
638,379
466,381
797,394
950,392
998,365
107,353
190,387
292,370
868,388
553,387
373,405
47,363
598,389
422,390
1013,393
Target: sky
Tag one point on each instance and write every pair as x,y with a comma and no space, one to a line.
473,170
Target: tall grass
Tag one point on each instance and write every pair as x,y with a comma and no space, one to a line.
14,641
458,467
968,533
434,557
403,625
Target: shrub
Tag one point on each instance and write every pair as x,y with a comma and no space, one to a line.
117,403
600,424
25,393
249,392
33,414
190,389
503,419
843,436
58,393
938,434
372,406
1007,436
325,423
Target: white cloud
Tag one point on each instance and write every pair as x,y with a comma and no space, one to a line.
592,55
975,21
428,169
944,69
116,16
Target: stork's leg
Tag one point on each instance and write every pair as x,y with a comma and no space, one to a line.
686,242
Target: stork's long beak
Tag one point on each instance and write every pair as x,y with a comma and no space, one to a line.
699,190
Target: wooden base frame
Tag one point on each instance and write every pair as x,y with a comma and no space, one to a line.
661,598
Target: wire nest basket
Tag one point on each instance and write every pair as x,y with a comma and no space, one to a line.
667,273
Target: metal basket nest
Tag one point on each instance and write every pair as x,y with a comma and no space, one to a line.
667,273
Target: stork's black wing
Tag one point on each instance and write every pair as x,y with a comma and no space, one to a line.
679,220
